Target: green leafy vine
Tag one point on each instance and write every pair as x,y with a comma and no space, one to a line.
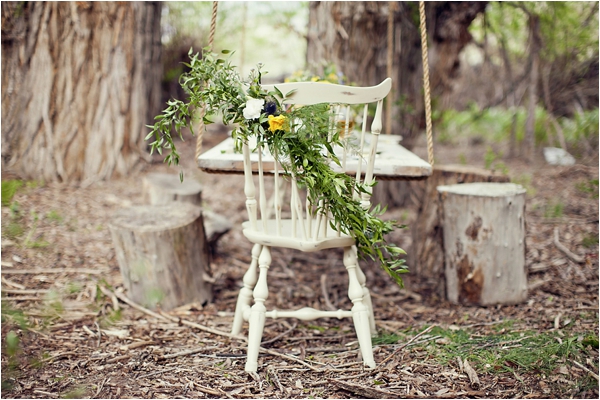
298,136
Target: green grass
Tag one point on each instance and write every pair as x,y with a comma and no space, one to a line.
9,189
525,180
588,187
503,350
590,241
55,216
554,209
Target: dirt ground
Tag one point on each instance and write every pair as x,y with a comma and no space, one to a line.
82,340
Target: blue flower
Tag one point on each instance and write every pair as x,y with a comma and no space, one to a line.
270,108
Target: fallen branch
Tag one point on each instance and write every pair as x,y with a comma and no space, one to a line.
13,284
471,374
289,358
166,317
574,257
273,374
406,344
589,371
364,391
25,291
187,352
203,327
276,338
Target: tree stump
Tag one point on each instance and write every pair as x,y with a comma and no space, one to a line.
161,189
162,254
484,243
426,255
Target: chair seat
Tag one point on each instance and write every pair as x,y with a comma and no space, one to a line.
286,239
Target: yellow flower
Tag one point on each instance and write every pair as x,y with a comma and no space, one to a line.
277,123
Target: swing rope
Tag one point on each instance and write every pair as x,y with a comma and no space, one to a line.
426,83
429,133
211,39
390,60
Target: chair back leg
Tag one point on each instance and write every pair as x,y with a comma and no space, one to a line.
245,296
360,312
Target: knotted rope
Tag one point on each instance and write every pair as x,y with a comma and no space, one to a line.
426,83
211,39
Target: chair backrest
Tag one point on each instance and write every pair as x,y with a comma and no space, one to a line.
343,100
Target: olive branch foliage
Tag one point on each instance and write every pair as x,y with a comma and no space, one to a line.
303,147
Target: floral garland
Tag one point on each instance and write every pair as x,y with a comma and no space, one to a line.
297,135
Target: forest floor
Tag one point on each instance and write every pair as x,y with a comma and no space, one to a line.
67,331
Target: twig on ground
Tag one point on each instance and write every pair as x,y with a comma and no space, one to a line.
112,297
56,357
471,374
160,371
589,371
276,338
289,358
88,331
364,391
25,291
51,395
574,257
272,373
13,284
135,345
187,352
166,317
406,344
118,358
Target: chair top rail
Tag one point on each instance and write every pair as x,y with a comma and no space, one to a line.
308,93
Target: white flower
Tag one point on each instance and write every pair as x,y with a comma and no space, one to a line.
253,108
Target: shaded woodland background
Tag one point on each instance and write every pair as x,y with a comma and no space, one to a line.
535,64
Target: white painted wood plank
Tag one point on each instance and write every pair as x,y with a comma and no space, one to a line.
393,161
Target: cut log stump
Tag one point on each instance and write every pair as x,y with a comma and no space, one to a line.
162,254
161,188
426,255
484,243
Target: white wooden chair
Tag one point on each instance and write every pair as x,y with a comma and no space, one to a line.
303,230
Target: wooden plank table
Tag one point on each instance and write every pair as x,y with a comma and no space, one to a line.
393,161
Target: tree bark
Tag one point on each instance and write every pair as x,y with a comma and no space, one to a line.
535,45
80,80
353,35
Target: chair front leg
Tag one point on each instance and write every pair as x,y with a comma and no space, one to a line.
256,323
245,296
362,279
360,312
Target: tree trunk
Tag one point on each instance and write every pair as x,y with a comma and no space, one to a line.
535,45
80,80
354,36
